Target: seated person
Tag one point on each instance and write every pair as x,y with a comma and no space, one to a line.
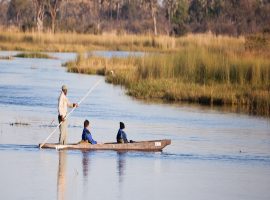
121,135
86,135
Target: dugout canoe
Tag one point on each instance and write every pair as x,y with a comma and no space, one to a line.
154,145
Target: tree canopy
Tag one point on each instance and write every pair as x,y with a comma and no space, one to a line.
174,17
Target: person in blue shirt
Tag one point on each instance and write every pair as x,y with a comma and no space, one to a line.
86,135
121,135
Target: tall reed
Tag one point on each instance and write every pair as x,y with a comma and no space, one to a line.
205,69
33,41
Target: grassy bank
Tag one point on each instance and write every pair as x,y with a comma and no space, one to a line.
33,55
205,69
74,42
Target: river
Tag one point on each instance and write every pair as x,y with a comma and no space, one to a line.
214,154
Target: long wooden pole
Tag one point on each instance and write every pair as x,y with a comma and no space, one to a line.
86,95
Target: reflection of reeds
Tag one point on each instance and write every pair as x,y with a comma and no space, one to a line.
6,58
33,55
19,123
205,69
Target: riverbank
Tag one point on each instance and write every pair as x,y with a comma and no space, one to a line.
206,69
201,68
75,42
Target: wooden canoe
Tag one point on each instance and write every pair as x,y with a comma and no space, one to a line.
154,145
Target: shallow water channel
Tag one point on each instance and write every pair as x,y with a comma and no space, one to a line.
213,155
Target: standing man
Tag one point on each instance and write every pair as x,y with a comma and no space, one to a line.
63,103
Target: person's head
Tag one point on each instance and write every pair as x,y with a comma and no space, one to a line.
64,89
122,125
86,123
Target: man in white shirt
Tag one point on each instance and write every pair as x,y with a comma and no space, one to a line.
63,103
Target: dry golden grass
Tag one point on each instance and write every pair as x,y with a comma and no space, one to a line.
64,42
202,68
205,69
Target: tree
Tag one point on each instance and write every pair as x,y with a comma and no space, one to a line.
3,11
53,7
98,10
170,6
153,5
118,4
179,17
19,12
233,17
39,13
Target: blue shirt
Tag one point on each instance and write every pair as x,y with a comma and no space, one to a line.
122,135
86,136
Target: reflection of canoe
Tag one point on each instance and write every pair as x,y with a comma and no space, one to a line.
155,145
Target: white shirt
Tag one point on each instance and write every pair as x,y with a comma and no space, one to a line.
63,103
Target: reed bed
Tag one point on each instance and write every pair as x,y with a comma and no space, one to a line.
201,68
205,69
67,42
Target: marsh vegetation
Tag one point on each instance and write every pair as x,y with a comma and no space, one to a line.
205,69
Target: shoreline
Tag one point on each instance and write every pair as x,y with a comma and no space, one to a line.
206,102
214,72
201,69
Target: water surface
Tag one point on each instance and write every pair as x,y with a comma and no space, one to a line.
213,155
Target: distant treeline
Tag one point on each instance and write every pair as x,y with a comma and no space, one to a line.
174,17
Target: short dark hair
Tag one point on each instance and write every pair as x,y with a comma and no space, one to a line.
86,123
122,125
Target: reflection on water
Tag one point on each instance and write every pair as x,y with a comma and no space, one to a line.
121,165
85,169
85,164
61,176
